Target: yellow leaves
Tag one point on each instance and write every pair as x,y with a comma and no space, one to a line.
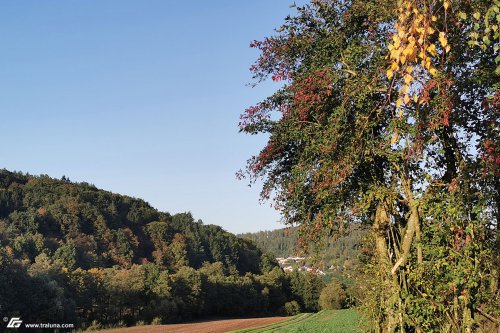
419,18
390,74
416,47
411,51
394,137
427,63
406,99
432,49
394,54
397,41
442,39
444,42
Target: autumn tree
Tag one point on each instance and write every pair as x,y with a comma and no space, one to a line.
177,252
387,114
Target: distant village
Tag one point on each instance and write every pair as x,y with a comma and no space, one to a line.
290,264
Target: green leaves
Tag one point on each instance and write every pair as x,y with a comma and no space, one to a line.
345,152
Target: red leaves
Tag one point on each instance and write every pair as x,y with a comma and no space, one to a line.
280,76
274,58
491,158
453,187
264,158
490,150
252,116
311,91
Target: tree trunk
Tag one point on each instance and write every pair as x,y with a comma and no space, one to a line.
391,296
412,228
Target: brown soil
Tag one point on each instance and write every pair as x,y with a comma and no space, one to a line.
211,326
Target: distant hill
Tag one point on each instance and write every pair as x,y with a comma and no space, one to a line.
342,251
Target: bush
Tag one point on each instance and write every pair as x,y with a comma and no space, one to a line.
156,321
292,308
333,296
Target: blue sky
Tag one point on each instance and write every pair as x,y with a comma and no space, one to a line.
138,97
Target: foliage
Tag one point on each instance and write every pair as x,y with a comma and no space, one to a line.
72,253
333,296
341,252
388,116
292,308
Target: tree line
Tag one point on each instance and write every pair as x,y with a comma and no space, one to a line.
72,253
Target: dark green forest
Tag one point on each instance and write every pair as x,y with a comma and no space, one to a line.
73,253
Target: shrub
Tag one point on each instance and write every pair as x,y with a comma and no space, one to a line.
333,296
292,308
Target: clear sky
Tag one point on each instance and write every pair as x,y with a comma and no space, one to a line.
138,97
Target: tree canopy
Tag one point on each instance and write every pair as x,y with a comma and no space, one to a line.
72,253
388,115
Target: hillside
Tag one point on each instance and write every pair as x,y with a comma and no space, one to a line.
86,227
72,253
339,253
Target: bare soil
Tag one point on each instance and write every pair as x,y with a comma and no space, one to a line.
210,326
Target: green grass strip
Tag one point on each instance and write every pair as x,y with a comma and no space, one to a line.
293,319
329,321
268,328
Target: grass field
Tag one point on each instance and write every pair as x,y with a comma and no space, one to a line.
331,321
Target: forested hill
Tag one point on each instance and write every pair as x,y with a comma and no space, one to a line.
279,242
82,226
71,253
341,251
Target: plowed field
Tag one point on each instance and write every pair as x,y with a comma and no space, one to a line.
212,326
